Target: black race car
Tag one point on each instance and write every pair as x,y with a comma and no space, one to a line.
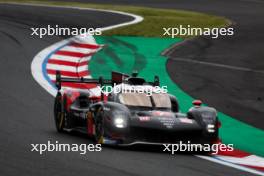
130,115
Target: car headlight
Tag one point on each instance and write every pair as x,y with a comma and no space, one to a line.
211,128
120,122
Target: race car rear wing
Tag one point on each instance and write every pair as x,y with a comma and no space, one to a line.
99,81
117,78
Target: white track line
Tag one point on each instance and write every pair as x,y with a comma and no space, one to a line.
36,65
251,160
218,65
229,164
137,18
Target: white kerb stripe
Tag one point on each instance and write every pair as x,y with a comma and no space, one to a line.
67,68
251,160
70,60
53,77
209,158
65,58
78,49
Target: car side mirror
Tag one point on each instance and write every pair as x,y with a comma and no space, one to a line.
197,103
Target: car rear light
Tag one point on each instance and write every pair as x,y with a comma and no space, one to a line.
116,136
218,124
217,141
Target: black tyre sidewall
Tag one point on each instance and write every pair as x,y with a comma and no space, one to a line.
57,110
99,133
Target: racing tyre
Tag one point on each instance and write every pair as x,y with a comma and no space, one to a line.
99,128
59,115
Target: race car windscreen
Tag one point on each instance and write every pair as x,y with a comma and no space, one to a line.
142,99
135,99
161,100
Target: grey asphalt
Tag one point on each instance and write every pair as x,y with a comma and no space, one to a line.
26,109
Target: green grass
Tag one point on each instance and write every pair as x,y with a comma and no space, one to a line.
154,19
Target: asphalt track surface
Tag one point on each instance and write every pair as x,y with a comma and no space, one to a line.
227,73
27,117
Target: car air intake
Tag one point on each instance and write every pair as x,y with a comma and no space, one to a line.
84,101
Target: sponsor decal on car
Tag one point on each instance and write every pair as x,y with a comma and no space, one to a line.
168,122
144,118
161,113
185,120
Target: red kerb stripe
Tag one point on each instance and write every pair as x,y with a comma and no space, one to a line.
82,45
68,73
254,167
78,85
235,153
73,54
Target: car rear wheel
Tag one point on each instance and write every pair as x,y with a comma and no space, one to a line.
59,115
99,128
